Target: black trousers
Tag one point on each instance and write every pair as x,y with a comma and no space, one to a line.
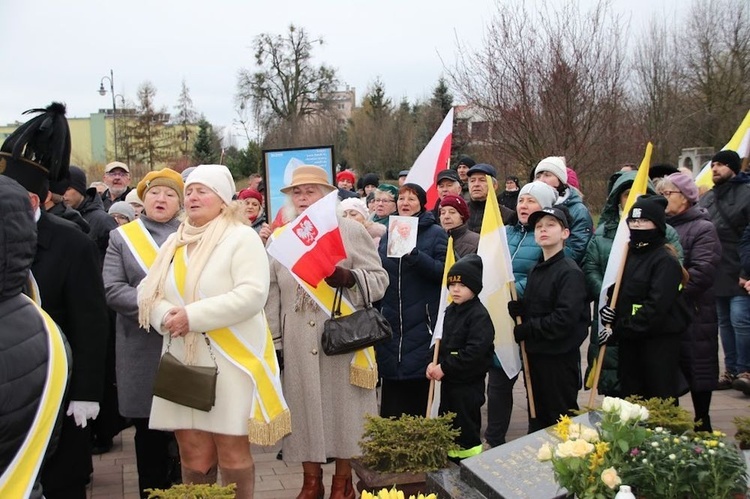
499,405
466,400
555,380
153,457
399,397
66,472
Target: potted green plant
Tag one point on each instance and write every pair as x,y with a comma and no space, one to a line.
193,491
664,413
400,451
742,423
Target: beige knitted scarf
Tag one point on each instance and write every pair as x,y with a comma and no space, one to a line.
204,240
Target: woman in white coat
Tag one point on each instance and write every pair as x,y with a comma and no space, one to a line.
205,293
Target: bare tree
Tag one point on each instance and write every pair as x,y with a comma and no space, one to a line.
287,86
715,48
185,117
550,84
149,141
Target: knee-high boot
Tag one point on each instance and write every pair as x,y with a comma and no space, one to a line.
244,478
193,476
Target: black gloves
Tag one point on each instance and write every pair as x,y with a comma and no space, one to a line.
515,308
521,332
341,278
607,314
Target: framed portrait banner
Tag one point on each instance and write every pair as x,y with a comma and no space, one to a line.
279,164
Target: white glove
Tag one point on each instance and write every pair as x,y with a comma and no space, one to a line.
81,411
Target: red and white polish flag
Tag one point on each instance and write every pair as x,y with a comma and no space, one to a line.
434,157
310,246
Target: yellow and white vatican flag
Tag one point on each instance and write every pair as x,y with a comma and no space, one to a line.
437,333
497,279
740,142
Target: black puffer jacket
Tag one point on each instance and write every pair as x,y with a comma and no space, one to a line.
733,200
23,337
700,345
411,301
92,210
466,349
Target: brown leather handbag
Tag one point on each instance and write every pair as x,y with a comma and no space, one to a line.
191,386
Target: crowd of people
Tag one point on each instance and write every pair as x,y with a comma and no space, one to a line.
178,265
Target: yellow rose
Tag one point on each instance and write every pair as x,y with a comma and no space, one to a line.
610,478
574,448
589,434
545,453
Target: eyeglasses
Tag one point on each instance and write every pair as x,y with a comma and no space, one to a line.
118,174
383,201
669,193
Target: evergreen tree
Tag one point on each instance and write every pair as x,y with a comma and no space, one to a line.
204,150
243,162
185,117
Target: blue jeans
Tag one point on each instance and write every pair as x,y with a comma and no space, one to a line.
734,328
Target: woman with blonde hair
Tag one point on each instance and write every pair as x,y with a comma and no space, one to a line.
328,396
205,294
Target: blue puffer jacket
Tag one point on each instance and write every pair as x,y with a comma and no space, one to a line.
524,253
411,301
581,226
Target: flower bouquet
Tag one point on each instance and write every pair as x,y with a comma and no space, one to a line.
593,462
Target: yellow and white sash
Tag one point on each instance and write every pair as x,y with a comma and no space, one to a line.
363,370
140,243
18,478
269,414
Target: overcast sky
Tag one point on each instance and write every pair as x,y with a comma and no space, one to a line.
55,50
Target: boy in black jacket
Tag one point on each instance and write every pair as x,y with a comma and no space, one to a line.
555,317
465,355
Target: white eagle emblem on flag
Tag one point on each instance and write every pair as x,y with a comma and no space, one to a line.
306,231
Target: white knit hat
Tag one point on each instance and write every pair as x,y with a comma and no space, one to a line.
215,177
355,204
543,193
554,165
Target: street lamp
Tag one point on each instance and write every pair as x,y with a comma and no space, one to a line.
103,91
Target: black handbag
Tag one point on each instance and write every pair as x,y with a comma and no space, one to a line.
360,329
191,386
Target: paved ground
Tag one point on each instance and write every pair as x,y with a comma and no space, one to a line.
115,474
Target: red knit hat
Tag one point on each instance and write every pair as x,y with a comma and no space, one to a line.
346,175
250,193
458,203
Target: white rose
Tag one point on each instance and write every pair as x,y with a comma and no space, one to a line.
590,435
544,453
611,404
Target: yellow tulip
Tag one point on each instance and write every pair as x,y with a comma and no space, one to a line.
367,495
383,494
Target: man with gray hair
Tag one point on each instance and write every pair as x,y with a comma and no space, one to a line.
117,178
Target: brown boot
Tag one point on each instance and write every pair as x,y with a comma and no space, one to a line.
244,478
341,487
193,476
312,486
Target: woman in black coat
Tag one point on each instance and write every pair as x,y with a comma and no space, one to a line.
699,358
650,316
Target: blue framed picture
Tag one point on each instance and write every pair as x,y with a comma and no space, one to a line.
279,164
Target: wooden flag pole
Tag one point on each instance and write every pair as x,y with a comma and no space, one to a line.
524,359
431,396
603,348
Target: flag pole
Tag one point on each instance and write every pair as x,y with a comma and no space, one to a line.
603,348
431,396
524,359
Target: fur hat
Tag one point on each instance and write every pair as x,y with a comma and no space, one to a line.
215,177
122,208
545,195
308,174
467,271
417,189
554,165
729,158
355,204
166,177
686,185
458,203
650,207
